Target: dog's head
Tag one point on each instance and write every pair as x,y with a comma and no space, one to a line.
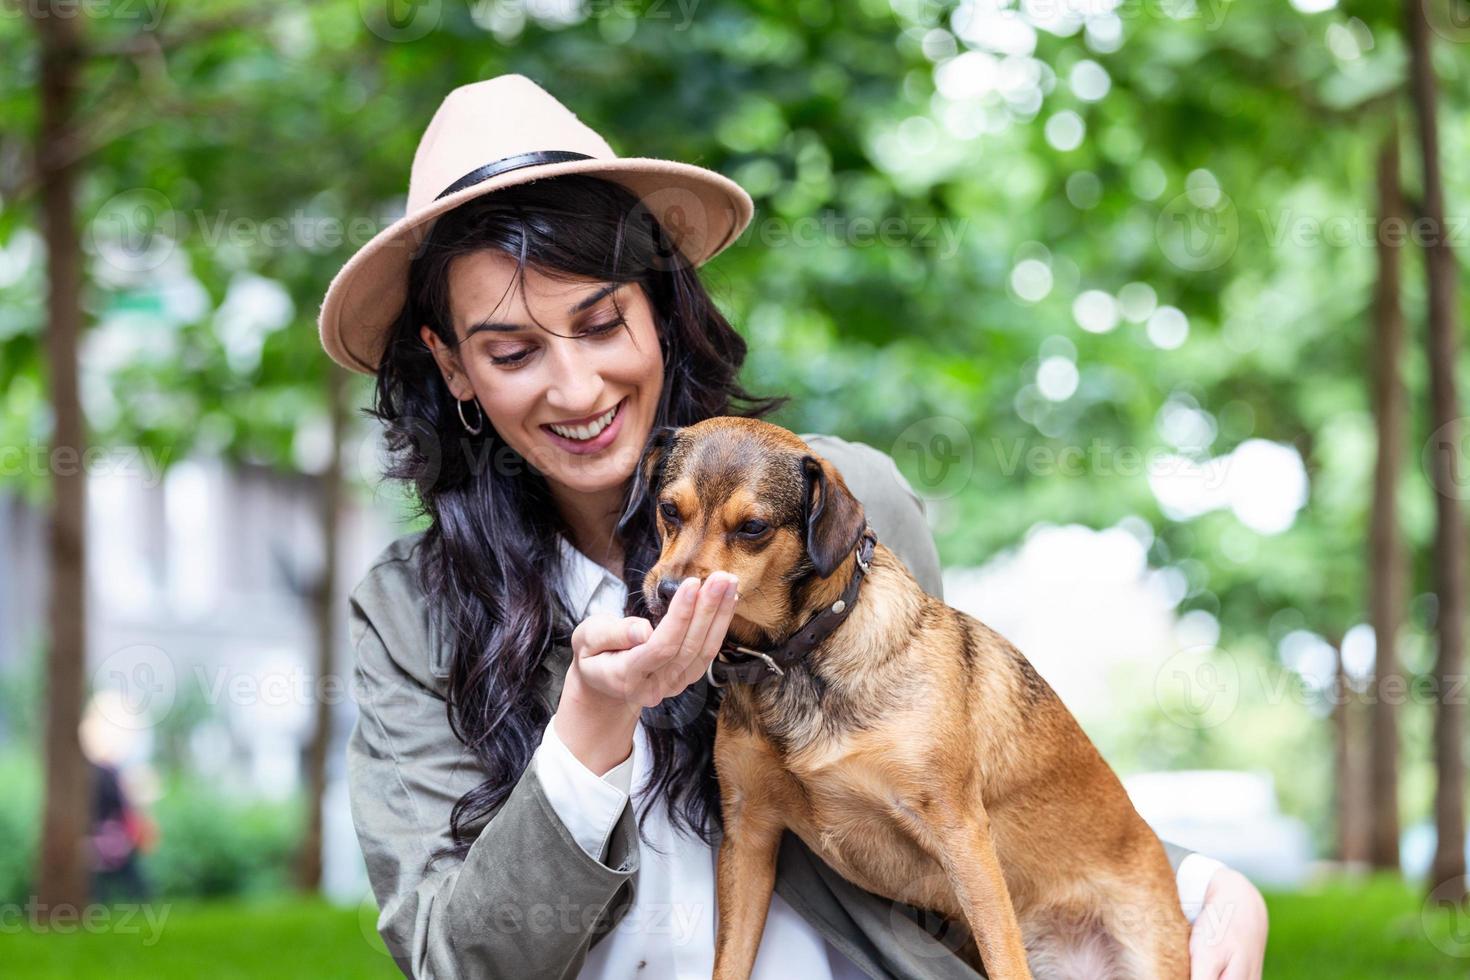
749,498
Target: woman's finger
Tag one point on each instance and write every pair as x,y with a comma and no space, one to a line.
713,640
646,660
662,645
1236,969
671,678
669,633
600,633
601,648
711,597
721,625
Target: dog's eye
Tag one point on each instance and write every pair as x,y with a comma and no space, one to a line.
753,528
670,512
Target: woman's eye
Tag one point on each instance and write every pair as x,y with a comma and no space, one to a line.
597,330
670,512
753,528
508,359
602,328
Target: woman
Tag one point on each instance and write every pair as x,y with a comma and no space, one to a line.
545,318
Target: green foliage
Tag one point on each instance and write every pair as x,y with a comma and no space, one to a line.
1255,126
212,846
20,808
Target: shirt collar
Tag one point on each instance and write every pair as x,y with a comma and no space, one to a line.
581,577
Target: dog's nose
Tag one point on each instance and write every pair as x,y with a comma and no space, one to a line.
666,589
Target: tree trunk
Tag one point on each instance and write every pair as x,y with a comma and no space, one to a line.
309,862
1448,869
1386,568
63,876
1353,822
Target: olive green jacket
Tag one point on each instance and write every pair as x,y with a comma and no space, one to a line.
527,901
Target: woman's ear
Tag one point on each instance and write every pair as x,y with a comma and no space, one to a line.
447,358
833,516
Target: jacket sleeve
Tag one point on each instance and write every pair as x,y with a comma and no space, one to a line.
588,804
526,901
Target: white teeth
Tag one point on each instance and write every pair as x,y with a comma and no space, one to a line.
589,431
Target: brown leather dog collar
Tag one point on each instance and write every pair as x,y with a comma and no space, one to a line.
747,666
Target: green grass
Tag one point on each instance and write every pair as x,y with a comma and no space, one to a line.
280,939
1377,929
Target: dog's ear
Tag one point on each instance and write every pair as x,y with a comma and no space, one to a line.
647,475
834,519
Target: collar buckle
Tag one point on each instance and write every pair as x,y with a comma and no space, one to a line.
864,554
770,664
709,671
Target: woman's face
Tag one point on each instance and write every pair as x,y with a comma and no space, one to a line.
531,383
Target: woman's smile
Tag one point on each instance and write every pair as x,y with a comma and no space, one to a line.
588,437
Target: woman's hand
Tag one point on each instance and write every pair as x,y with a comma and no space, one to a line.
626,660
1228,940
622,665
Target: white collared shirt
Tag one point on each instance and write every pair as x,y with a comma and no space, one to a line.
669,933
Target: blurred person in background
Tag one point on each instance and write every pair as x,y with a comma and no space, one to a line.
121,831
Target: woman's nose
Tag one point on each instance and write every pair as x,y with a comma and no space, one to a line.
575,384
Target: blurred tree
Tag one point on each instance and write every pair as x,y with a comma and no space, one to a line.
65,861
183,70
1350,780
323,615
1386,564
1441,347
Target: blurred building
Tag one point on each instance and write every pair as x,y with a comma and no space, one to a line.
196,614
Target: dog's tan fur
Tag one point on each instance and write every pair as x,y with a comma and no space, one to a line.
917,752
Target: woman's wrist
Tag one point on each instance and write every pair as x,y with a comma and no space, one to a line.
598,730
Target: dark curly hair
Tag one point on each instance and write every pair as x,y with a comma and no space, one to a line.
490,559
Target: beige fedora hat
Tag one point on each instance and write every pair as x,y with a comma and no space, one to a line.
494,134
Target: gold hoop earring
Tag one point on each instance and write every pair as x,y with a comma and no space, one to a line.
479,425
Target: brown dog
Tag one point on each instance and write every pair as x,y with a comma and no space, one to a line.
909,746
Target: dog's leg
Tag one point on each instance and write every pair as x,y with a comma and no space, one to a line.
754,793
1155,945
961,843
744,881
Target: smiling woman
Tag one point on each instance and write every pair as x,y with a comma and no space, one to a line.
507,674
567,371
540,346
544,307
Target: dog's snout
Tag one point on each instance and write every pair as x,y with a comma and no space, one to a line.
666,589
